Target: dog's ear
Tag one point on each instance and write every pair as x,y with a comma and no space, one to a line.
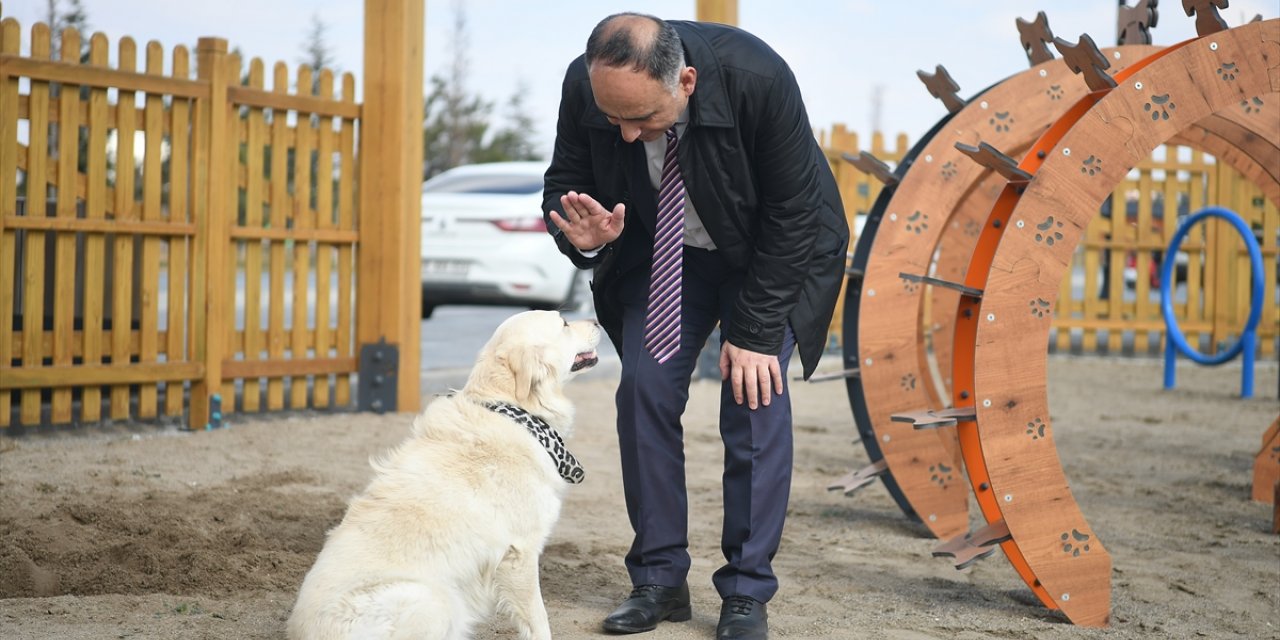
528,369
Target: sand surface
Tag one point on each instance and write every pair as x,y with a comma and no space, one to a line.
146,532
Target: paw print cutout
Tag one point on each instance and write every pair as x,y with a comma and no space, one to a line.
1035,429
909,382
940,474
917,222
1075,543
1049,233
909,285
949,170
1054,92
1227,71
1251,105
1159,107
972,228
1039,307
1091,165
1001,121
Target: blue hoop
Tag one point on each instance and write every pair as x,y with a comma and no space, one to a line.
1173,334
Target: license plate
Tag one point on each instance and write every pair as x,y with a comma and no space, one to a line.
442,269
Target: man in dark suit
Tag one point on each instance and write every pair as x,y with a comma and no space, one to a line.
687,176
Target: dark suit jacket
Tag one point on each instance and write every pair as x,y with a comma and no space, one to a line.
753,170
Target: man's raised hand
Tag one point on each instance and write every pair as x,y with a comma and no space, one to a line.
586,223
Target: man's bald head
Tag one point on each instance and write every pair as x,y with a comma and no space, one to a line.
639,42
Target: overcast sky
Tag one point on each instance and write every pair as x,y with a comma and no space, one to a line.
841,50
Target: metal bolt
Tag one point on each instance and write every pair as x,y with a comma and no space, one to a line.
983,104
1008,497
1066,152
886,438
1138,86
868,362
1043,73
1116,55
933,517
991,317
928,157
1213,46
1066,597
893,217
987,402
1021,224
871,293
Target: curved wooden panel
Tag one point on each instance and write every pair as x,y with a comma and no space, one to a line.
1003,341
892,360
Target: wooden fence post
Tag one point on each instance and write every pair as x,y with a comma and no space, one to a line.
211,297
722,11
388,286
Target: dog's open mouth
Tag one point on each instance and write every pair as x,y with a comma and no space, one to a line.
584,360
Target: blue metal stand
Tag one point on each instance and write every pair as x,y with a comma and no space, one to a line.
1174,339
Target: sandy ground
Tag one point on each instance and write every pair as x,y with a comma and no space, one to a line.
146,532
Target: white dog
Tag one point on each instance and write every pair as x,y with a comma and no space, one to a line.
450,529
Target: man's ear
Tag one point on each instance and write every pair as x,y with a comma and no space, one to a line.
688,80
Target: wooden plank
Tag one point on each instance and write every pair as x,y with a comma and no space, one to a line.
33,280
256,97
303,221
253,217
122,279
1143,309
346,259
149,296
327,236
99,227
96,375
10,39
236,369
64,288
324,253
96,203
280,204
234,181
179,180
41,69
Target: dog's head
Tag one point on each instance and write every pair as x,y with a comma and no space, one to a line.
529,358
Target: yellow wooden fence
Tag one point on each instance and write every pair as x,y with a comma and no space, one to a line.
1111,301
166,235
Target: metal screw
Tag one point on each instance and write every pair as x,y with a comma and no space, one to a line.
1116,55
1043,73
928,157
1066,597
868,362
987,402
1021,224
991,317
893,217
886,438
1138,86
1008,497
871,293
1066,152
983,104
933,517
1213,46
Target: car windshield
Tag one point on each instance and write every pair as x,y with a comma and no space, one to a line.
498,183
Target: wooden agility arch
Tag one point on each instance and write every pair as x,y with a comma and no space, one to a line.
1020,260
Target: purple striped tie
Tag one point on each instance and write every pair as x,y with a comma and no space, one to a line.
662,324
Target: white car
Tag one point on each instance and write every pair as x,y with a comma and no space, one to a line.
484,241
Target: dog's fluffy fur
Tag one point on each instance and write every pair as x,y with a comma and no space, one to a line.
450,529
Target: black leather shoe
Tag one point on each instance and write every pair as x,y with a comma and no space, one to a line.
647,606
742,618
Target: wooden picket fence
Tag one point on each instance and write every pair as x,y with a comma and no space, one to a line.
1111,301
166,236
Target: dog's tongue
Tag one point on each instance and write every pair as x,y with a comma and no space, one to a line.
584,360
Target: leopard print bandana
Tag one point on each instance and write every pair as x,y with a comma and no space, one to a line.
566,464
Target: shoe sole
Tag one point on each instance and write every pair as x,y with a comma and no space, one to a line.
683,614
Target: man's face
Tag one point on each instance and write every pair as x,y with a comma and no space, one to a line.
641,107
